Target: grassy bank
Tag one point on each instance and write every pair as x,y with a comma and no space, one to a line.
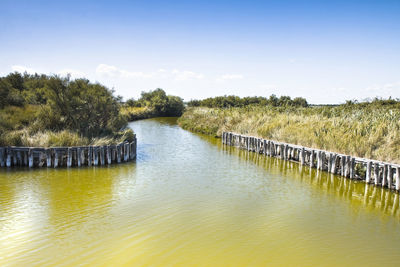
43,111
370,130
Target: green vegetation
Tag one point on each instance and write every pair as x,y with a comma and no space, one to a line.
153,104
235,101
41,110
368,129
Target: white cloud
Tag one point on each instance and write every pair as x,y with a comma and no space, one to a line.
388,89
74,73
226,77
115,72
186,75
23,69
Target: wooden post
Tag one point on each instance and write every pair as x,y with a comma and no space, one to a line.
292,153
30,154
223,137
397,178
48,157
347,167
90,156
126,151
286,152
265,147
8,157
95,156
368,172
78,156
324,159
333,164
55,158
271,149
14,158
25,158
119,153
385,175
2,157
376,173
330,156
108,153
102,160
135,148
302,156
69,157
390,177
352,170
82,155
312,153
319,160
342,165
19,158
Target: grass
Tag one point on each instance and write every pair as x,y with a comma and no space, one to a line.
138,113
18,128
358,130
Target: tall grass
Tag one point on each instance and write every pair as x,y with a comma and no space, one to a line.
138,113
363,131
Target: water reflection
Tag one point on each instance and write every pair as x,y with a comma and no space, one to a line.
356,193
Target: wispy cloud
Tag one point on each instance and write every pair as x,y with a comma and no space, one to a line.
23,69
186,75
387,89
113,71
227,77
72,72
178,75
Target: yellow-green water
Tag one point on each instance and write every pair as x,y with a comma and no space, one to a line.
188,201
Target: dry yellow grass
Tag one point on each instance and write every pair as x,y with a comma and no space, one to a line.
370,132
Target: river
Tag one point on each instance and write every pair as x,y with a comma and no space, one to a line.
188,200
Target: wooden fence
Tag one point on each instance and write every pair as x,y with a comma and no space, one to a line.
67,156
370,171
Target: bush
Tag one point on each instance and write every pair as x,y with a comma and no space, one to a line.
76,110
153,104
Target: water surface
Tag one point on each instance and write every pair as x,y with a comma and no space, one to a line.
190,201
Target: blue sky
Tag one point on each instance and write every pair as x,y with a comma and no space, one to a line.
326,51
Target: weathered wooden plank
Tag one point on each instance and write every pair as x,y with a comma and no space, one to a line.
102,160
368,172
30,155
2,156
333,164
352,170
95,156
390,177
56,155
90,156
48,157
78,156
118,154
397,178
302,156
108,154
312,159
69,157
384,175
376,173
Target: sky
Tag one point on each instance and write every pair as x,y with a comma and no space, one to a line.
325,51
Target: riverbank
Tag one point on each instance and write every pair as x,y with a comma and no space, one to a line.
365,131
53,111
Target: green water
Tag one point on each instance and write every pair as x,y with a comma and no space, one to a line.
190,201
